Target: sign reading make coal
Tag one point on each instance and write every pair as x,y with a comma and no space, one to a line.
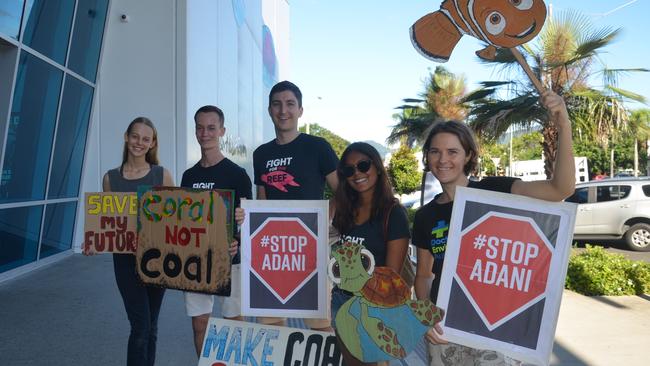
503,273
284,263
110,220
183,239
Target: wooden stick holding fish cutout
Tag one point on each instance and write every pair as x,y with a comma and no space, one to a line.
500,23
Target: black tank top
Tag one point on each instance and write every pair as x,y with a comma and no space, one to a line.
120,184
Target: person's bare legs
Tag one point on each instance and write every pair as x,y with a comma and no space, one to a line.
199,325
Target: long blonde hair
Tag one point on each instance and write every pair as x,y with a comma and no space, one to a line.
152,155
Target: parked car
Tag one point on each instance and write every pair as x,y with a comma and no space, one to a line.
613,209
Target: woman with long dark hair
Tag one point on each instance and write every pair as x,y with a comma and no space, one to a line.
366,212
142,302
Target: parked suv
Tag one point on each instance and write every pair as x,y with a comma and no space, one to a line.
612,209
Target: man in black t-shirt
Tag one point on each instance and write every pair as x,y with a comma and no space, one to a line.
214,171
293,166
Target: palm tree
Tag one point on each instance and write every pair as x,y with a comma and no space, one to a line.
441,99
640,130
565,59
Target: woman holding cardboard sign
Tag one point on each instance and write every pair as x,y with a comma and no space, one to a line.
451,153
142,303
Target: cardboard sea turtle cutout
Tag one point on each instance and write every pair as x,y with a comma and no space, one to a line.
499,23
380,322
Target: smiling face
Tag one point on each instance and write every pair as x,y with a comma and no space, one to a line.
139,140
360,181
509,23
447,158
285,111
208,129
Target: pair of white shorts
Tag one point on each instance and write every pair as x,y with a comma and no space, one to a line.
200,304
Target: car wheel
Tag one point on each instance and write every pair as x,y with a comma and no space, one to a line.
638,237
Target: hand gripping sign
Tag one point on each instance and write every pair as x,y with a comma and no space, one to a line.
183,239
499,23
284,258
504,271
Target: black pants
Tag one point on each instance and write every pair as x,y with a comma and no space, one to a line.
142,304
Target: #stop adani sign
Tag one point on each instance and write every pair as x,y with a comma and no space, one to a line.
503,272
505,257
284,258
283,255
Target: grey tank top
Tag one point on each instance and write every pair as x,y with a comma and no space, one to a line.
120,184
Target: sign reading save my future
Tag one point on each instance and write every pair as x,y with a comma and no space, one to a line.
110,222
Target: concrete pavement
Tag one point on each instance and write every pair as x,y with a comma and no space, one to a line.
70,313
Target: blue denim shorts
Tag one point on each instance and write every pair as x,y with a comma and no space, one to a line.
339,297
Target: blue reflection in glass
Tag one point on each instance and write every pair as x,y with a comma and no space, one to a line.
10,13
19,230
70,142
87,37
48,27
30,130
58,228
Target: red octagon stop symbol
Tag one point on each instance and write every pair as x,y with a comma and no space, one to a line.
503,265
283,255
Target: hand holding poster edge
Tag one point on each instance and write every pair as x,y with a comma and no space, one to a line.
547,309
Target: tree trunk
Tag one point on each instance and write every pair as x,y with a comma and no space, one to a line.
611,163
549,132
636,158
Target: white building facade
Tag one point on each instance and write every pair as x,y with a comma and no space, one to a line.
74,73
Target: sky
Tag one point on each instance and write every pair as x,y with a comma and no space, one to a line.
354,61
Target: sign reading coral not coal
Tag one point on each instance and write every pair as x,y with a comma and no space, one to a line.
504,271
110,220
183,239
229,342
284,258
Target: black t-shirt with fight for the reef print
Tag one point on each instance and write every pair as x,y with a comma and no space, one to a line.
431,225
223,175
371,233
294,171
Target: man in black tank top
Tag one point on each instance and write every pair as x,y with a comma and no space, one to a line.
214,171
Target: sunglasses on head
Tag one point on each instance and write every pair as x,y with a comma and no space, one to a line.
362,166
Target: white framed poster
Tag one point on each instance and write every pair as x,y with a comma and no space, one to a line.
504,272
285,253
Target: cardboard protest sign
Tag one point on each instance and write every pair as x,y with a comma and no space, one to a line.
380,322
499,23
504,271
284,258
110,221
183,239
229,342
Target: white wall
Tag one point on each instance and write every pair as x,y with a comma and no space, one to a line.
170,58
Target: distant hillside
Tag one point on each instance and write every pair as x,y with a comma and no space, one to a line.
383,150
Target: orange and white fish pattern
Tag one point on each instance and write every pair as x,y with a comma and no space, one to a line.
500,23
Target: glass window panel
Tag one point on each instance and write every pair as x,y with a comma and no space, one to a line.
47,29
30,130
87,37
19,230
70,142
10,14
58,228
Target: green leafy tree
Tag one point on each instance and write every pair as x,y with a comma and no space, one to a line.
338,143
403,171
565,59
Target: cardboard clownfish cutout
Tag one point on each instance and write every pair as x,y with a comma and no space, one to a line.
500,23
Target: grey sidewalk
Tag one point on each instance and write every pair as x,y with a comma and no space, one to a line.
70,313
